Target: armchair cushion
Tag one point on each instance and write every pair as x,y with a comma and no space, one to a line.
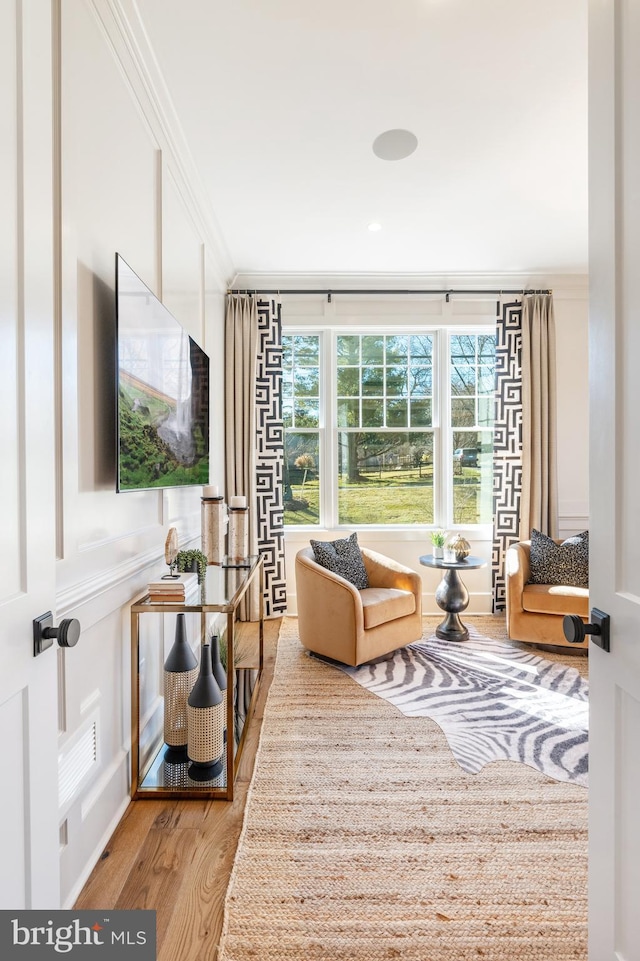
555,599
381,604
343,557
566,563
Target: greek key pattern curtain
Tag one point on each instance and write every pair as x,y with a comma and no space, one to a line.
255,435
507,443
270,455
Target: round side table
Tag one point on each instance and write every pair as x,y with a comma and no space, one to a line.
451,595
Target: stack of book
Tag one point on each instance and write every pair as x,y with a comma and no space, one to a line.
176,589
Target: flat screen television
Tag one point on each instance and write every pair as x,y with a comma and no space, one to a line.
162,390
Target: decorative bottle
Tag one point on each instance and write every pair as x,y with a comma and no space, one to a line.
205,722
219,673
180,672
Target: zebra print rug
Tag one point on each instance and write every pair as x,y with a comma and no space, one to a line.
493,700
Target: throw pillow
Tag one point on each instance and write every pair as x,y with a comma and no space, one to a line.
342,557
566,563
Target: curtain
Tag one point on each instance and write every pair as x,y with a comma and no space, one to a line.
507,443
539,499
254,436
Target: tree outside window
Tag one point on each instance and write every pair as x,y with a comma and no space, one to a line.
386,459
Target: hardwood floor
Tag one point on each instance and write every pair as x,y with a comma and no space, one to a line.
176,856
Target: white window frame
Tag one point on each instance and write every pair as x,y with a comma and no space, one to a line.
441,425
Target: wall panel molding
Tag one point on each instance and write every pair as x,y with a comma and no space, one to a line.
130,45
107,591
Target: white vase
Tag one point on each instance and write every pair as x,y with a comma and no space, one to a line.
438,552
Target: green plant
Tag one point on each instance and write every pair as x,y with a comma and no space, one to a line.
243,651
186,559
438,537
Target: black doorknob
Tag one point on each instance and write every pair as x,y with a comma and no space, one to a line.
67,633
575,630
44,633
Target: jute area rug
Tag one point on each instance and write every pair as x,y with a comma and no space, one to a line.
364,839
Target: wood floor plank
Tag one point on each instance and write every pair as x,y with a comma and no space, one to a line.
159,873
119,856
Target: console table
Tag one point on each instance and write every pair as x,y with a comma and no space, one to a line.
451,594
152,775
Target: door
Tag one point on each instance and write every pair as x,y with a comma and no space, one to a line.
614,229
29,872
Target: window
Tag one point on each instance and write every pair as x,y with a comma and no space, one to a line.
301,416
472,382
388,429
384,416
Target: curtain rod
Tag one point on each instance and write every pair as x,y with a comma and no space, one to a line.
443,293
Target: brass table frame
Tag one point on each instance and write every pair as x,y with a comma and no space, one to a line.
253,569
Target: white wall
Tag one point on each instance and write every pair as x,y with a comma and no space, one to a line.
124,185
570,303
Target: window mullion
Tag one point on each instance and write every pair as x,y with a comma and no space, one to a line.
329,517
444,475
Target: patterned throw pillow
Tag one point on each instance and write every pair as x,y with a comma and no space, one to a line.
342,557
566,563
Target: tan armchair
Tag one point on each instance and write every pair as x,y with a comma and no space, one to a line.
337,620
535,611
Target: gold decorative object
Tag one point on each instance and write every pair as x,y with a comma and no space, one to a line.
171,548
457,548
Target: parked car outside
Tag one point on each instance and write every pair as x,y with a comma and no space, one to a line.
466,456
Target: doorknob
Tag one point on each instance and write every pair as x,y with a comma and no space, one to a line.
575,629
67,633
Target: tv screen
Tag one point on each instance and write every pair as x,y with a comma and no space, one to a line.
163,393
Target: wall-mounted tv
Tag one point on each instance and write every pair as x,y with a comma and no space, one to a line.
163,393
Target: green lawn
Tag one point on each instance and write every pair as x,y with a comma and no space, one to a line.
391,497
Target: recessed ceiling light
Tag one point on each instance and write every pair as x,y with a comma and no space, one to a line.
374,226
395,144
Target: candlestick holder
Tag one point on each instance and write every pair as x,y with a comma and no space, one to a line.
214,528
238,535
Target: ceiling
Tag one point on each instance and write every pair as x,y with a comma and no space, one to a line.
280,102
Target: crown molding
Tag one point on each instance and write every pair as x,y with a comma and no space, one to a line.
126,35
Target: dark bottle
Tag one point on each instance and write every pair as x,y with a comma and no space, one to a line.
180,672
205,722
